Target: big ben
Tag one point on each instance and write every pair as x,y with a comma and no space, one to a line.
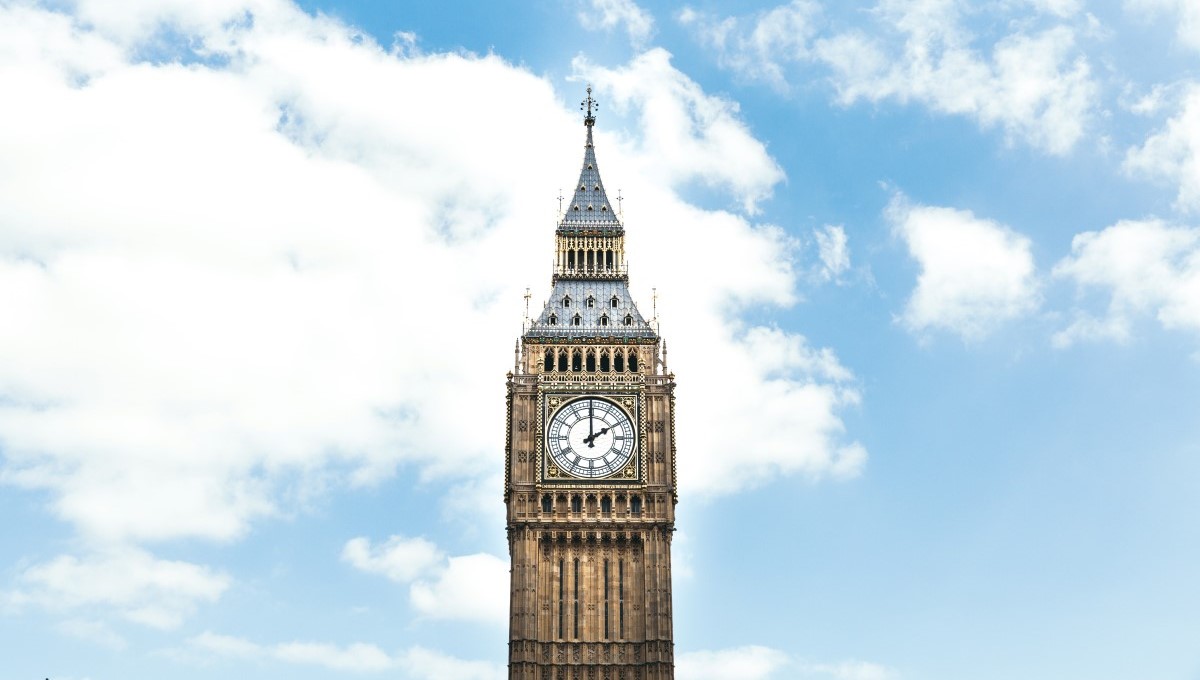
590,464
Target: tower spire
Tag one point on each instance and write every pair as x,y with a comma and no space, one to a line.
588,105
589,209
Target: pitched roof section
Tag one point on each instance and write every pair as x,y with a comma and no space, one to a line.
589,209
590,318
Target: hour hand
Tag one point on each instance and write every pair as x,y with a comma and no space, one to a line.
591,438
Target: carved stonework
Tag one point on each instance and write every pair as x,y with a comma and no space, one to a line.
591,561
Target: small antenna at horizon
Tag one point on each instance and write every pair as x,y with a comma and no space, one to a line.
620,205
560,200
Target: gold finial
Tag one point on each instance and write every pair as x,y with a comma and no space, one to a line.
589,105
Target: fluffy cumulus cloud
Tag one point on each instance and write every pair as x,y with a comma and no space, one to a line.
610,14
1141,267
463,588
1172,154
975,273
136,585
242,268
416,662
1035,85
687,135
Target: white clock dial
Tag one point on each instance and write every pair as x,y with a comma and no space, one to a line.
590,437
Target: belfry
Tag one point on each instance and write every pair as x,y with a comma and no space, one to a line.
590,464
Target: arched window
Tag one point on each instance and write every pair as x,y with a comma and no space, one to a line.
608,259
614,302
577,320
605,505
552,320
635,506
548,363
591,361
562,360
577,361
576,504
618,362
547,504
633,361
628,319
570,259
603,319
591,301
567,301
604,365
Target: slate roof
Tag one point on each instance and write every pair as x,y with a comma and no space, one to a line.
589,209
589,192
602,292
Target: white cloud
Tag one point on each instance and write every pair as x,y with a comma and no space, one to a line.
687,135
464,588
1035,86
415,662
399,558
832,250
609,14
1185,14
761,46
975,273
1173,153
1144,267
139,587
277,275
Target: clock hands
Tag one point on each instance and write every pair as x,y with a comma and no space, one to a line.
591,421
590,439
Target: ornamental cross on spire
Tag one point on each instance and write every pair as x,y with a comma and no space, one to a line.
588,105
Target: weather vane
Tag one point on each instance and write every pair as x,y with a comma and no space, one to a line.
589,105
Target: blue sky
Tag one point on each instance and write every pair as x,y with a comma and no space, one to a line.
929,273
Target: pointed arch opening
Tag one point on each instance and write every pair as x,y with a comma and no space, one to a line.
566,301
562,360
548,362
618,362
604,363
577,361
633,361
591,361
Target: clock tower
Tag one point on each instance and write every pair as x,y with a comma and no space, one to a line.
590,464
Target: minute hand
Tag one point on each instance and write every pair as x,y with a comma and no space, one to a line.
592,438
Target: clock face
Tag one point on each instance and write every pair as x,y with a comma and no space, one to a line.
590,437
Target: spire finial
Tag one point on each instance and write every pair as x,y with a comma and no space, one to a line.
588,105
